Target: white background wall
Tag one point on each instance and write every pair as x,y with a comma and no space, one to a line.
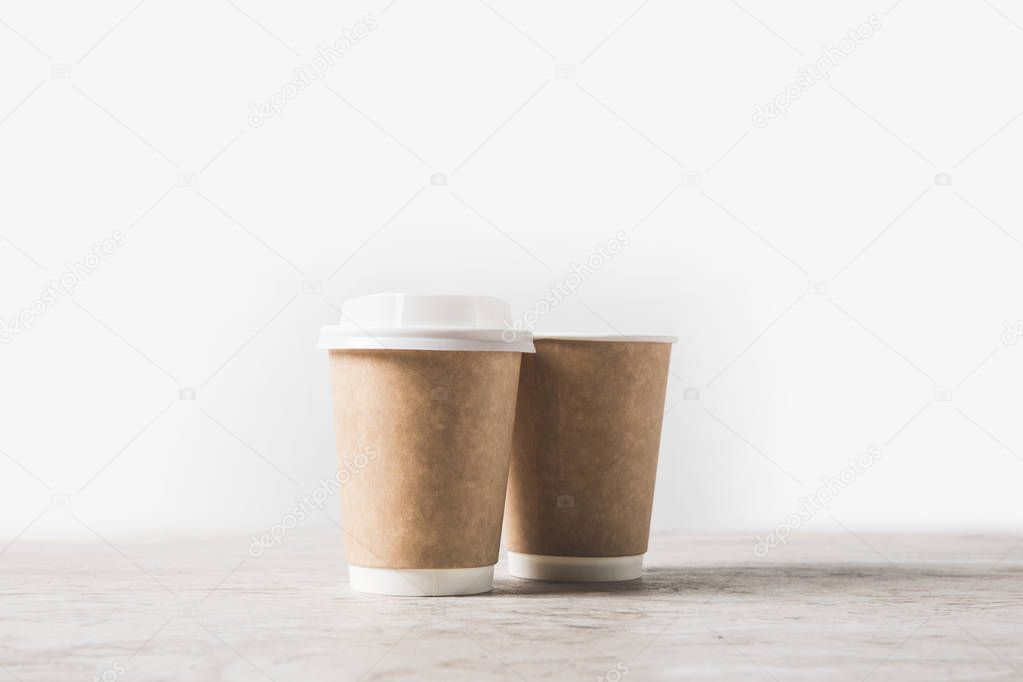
110,111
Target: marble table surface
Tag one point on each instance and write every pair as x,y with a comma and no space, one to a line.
836,607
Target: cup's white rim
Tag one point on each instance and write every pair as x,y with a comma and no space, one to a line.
421,582
575,568
629,338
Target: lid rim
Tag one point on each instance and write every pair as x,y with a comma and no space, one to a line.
494,340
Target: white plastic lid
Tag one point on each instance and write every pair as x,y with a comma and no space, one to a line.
425,322
632,338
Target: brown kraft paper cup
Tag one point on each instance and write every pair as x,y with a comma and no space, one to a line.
439,425
584,454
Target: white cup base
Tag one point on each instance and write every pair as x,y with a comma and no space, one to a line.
575,568
421,582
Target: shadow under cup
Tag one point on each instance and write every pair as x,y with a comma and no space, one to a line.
584,457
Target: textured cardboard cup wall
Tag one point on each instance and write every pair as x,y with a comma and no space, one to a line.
440,425
584,453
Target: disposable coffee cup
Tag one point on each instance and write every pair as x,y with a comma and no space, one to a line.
584,456
424,391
